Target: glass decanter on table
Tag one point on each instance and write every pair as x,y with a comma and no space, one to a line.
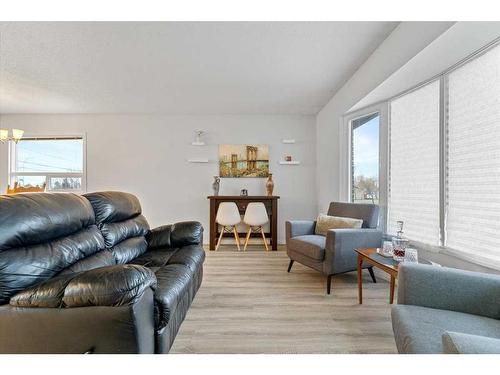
399,243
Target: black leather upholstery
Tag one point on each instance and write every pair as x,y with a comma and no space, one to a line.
41,235
114,206
71,256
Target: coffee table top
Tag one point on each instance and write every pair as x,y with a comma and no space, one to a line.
383,262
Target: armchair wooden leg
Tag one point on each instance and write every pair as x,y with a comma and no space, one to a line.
220,238
290,266
264,238
247,238
236,237
329,284
372,274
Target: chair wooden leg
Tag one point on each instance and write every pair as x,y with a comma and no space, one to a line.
290,266
372,274
247,238
236,237
264,238
329,284
220,238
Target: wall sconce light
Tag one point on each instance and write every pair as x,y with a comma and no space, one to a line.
17,134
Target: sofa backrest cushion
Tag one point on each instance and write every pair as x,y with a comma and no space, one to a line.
41,234
367,212
118,216
33,218
114,206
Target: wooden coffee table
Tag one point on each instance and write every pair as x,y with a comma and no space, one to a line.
388,265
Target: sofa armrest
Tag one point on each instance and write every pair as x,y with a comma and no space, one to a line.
462,343
180,234
106,286
296,228
449,289
341,243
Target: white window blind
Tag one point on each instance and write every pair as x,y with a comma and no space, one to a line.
473,159
414,164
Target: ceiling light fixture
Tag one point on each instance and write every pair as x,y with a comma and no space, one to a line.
17,134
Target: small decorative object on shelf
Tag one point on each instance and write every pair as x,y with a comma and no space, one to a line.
244,192
288,158
399,244
216,185
270,185
197,139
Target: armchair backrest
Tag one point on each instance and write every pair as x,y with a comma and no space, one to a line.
366,212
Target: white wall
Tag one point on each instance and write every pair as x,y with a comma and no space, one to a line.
146,155
408,39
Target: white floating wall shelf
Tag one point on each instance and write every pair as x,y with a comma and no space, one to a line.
283,162
198,143
197,160
288,141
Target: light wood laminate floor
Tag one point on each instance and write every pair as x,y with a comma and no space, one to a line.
248,303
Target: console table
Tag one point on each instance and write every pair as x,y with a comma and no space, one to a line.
271,203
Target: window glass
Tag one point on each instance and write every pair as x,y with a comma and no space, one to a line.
365,159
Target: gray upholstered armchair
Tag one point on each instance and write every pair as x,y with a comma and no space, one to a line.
334,253
445,310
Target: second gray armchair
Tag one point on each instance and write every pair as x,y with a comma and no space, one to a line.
334,253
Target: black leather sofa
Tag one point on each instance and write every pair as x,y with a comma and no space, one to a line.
83,274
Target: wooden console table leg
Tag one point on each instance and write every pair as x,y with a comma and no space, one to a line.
274,225
213,225
360,279
393,283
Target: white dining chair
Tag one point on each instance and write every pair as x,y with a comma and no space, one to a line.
255,217
228,216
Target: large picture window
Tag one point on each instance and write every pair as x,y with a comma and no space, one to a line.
55,163
473,159
414,164
442,174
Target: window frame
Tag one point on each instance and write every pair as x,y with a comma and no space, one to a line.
12,153
346,155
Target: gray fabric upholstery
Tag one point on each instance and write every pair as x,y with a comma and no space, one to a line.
419,330
367,212
297,228
462,343
449,289
311,245
334,253
340,244
434,300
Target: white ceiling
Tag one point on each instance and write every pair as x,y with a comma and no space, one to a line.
180,67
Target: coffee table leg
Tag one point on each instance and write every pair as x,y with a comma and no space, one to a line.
360,280
393,282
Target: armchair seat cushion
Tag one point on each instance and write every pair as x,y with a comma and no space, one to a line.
311,246
419,330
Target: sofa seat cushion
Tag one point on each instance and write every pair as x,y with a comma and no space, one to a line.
154,258
311,245
190,256
173,284
419,330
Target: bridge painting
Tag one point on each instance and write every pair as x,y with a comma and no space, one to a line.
243,160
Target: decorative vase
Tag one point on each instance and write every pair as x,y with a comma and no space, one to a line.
216,185
270,185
